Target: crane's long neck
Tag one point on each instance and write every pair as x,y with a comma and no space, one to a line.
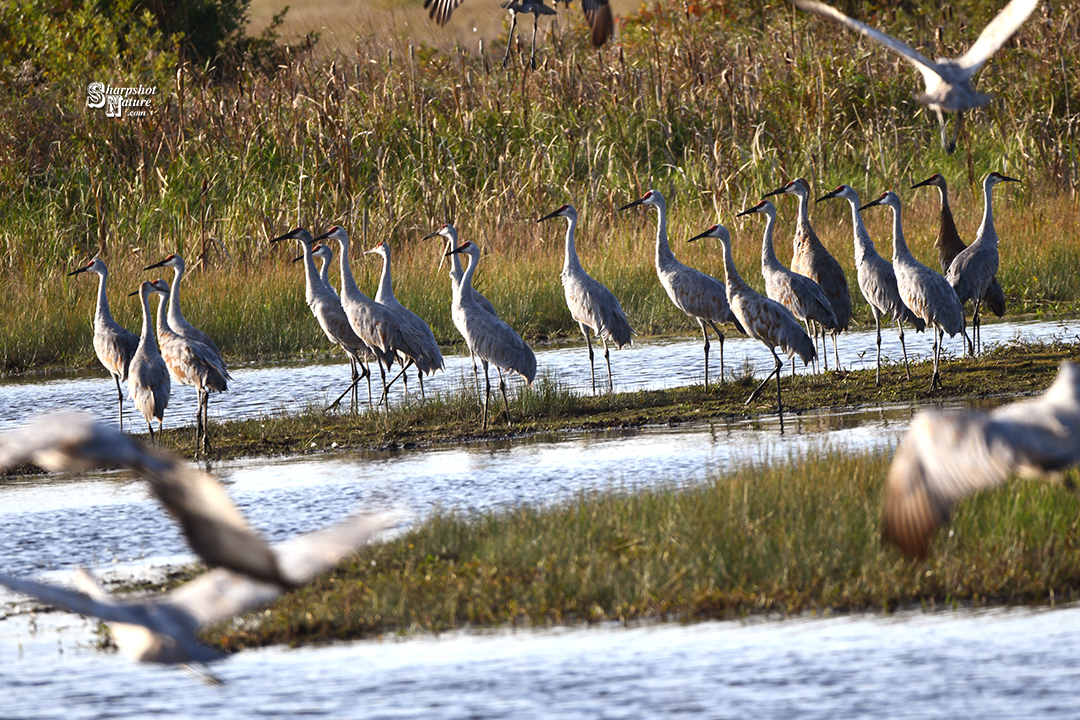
768,255
664,256
102,314
349,290
386,287
732,279
147,340
311,275
163,316
900,248
802,223
324,274
570,258
986,232
455,260
863,244
176,318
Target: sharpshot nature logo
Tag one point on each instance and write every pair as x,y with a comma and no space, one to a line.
135,101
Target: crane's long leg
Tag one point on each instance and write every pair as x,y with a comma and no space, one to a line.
976,329
775,371
607,359
877,324
779,403
813,336
509,38
206,420
353,386
720,336
420,379
487,391
592,367
935,381
705,335
354,399
900,327
476,373
836,350
120,397
824,347
506,403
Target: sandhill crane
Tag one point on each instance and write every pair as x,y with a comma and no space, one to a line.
191,363
949,244
972,271
148,378
591,304
597,16
113,343
798,293
700,296
947,456
431,358
449,232
810,258
877,281
765,320
328,310
251,573
488,337
176,318
948,82
926,293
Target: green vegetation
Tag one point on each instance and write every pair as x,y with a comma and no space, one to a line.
784,536
712,103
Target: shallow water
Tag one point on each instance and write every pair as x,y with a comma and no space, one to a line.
649,364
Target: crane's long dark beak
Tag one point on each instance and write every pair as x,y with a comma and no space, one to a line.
777,191
552,214
455,251
321,237
434,234
747,211
155,265
298,258
1009,179
830,195
291,235
83,269
701,235
924,183
872,203
134,293
630,205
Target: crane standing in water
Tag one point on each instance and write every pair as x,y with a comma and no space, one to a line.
113,343
148,378
591,304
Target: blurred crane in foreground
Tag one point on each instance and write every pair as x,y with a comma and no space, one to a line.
765,320
877,281
591,304
948,82
700,296
947,456
113,343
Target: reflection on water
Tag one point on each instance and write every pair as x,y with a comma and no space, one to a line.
648,365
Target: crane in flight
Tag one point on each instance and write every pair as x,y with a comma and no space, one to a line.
948,82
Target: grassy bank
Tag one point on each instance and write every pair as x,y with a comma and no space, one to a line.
781,537
713,105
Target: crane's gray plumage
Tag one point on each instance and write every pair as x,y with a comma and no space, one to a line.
765,320
926,293
190,363
877,281
430,359
798,293
972,271
949,244
948,82
488,337
591,304
251,573
325,255
810,259
700,296
176,318
449,232
947,456
148,377
114,344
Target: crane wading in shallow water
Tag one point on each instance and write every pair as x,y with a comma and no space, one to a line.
190,362
148,377
700,296
591,304
488,337
597,15
798,293
948,82
114,344
877,281
765,320
810,258
947,456
972,271
928,294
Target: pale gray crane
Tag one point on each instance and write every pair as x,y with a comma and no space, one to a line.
926,293
176,318
798,293
972,271
810,258
113,343
947,456
597,16
148,378
488,337
191,363
948,82
877,281
328,311
449,233
700,296
765,320
591,304
949,244
250,573
378,326
431,359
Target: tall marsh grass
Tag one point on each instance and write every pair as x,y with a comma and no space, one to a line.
711,103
